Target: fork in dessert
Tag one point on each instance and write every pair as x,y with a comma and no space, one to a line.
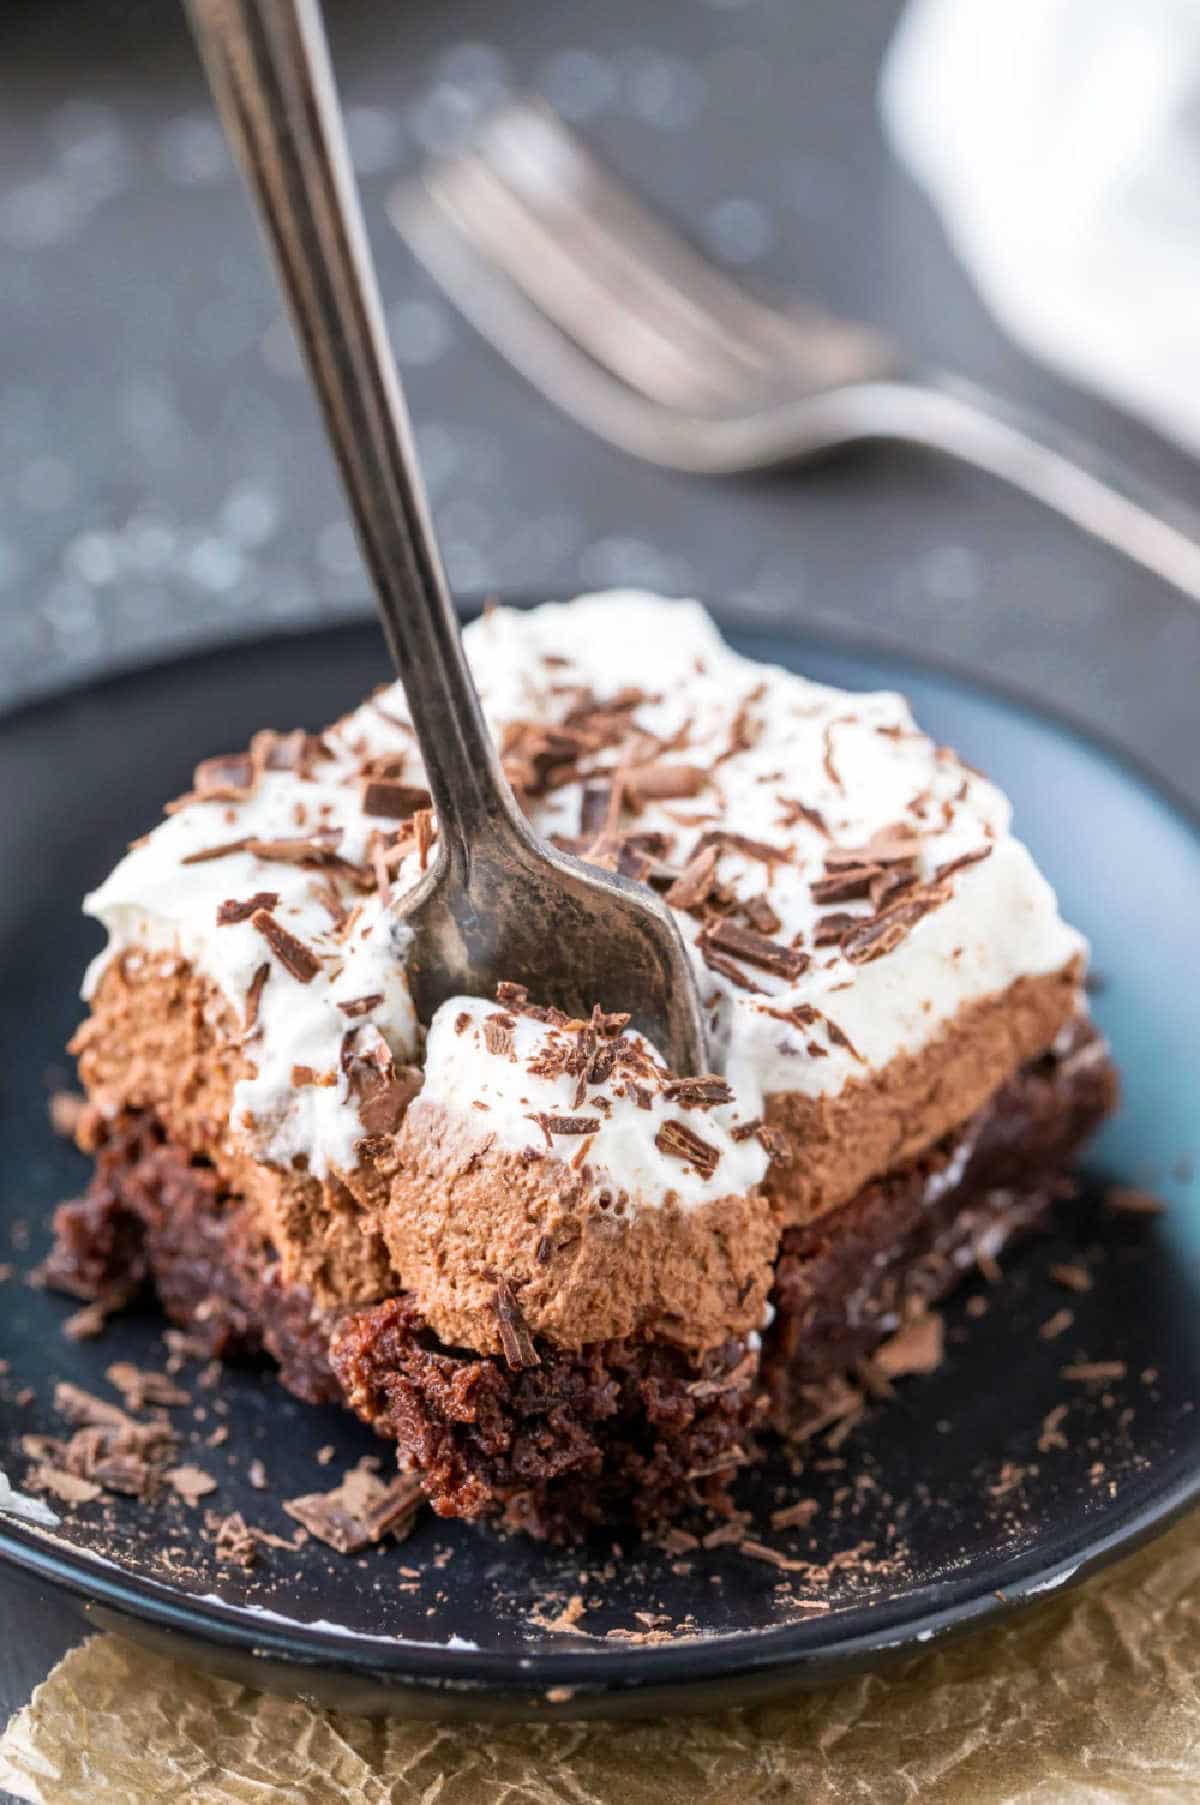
497,904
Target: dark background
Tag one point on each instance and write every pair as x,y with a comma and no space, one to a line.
162,479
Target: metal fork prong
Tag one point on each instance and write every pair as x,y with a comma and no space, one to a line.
608,308
543,160
502,313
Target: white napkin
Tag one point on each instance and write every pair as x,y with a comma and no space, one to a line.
1060,141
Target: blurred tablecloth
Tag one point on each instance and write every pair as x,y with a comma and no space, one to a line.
162,481
162,476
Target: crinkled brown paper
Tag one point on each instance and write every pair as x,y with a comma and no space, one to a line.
1092,1697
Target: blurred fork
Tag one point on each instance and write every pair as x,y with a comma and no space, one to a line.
631,332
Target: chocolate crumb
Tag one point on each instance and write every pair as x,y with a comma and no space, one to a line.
139,1387
235,1543
759,1551
190,1483
1051,1436
86,1324
68,1488
66,1113
1084,1371
795,1516
914,1348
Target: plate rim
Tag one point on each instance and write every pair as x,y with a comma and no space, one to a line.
799,1652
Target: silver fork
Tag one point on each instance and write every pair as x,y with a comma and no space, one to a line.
631,332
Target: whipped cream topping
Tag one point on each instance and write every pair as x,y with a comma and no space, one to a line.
847,885
603,1102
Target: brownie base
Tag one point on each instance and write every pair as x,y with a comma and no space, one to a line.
615,1432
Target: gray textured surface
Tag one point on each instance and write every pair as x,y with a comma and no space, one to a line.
162,479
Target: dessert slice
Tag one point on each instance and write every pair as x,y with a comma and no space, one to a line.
569,1283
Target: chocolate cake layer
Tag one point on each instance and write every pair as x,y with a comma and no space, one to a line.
619,1430
845,1282
154,1212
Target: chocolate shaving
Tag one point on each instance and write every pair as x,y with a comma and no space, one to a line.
360,1511
723,839
384,1097
139,1386
683,1143
759,1551
1087,1370
795,1516
214,852
872,939
190,1483
292,954
354,1006
795,812
827,759
915,1348
565,1124
759,914
698,1093
831,929
232,911
895,845
745,729
840,1038
389,797
755,949
593,810
695,882
424,830
295,751
665,783
727,968
379,866
498,1036
845,885
254,996
775,1144
229,777
962,861
1130,1200
515,1338
234,1541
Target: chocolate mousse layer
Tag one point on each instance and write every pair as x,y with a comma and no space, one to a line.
549,1439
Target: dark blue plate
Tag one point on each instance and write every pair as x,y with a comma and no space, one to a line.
942,1502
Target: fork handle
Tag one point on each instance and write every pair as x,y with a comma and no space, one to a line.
268,65
947,414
